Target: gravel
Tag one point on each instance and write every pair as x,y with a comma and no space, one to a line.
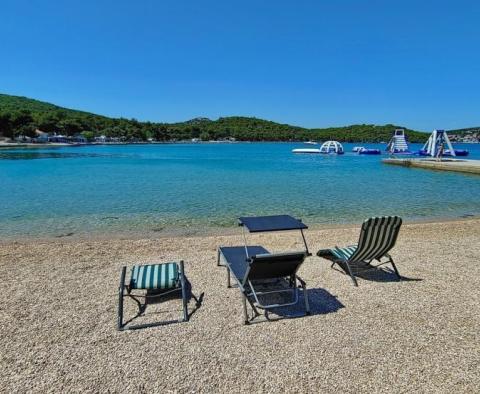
58,319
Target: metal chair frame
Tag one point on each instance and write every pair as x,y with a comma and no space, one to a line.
247,289
352,269
150,294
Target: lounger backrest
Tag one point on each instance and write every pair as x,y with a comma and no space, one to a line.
377,237
271,266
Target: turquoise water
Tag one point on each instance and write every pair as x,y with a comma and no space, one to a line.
194,187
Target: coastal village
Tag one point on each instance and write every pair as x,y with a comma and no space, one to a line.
471,136
54,138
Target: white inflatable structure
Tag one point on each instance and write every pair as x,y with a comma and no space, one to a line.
398,143
306,150
332,147
435,145
327,147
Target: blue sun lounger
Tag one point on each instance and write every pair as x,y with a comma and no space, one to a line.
261,275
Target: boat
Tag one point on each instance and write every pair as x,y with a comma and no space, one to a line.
436,143
306,150
369,151
357,148
398,144
311,143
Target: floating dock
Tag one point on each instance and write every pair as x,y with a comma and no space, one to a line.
466,166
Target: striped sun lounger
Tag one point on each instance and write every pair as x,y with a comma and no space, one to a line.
149,281
377,238
157,276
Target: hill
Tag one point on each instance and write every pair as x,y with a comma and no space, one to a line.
21,116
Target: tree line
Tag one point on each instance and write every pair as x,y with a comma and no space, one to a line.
22,116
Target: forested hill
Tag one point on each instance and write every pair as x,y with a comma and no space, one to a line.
22,116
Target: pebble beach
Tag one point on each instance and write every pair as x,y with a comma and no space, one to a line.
59,307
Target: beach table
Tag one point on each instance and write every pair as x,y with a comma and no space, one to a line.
253,266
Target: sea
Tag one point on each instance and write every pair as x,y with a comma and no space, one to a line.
154,189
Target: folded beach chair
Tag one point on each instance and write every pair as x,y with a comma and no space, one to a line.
150,282
261,275
377,238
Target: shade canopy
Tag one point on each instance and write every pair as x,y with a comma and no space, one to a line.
258,224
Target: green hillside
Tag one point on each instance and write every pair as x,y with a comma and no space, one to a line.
21,116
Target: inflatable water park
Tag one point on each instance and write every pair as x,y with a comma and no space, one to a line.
437,145
361,150
328,147
398,145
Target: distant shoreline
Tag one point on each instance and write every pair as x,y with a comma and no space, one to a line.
16,145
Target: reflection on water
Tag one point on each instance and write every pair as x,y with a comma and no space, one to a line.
31,155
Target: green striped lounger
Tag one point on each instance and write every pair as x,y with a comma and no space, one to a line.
377,237
149,281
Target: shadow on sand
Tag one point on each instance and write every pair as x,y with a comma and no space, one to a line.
320,300
382,274
168,297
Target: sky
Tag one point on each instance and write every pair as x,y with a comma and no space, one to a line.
308,63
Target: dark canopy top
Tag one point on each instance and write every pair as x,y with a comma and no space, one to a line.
257,224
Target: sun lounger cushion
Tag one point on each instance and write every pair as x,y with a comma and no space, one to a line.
337,254
343,253
155,276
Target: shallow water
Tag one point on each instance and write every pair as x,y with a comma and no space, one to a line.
193,187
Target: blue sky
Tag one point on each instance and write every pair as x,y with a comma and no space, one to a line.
308,63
